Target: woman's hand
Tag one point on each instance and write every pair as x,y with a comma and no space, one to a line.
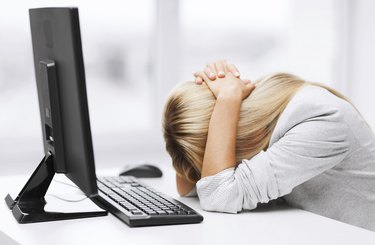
183,186
229,85
224,79
217,69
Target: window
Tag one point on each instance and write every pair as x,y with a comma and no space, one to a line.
260,37
136,51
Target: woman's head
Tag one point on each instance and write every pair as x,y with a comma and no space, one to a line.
188,111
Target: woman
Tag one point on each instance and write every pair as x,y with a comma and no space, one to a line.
242,143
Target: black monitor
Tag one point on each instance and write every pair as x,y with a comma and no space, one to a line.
61,86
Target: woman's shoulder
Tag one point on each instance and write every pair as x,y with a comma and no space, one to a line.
315,97
310,103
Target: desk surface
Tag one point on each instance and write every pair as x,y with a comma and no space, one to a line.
269,225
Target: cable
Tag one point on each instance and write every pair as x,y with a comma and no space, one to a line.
67,200
63,199
62,182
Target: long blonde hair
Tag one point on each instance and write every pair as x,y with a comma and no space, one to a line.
188,111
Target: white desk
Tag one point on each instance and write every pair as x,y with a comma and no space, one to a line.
275,225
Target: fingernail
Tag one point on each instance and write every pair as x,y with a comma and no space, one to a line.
237,74
221,74
212,75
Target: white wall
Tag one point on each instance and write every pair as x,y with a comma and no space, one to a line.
361,57
330,41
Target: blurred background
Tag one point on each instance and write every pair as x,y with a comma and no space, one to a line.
136,51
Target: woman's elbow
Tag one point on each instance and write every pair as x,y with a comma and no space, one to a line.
219,200
216,207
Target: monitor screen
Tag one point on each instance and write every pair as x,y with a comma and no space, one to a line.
61,86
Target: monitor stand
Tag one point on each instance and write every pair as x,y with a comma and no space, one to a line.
28,207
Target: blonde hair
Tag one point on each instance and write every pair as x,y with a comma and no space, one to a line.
188,111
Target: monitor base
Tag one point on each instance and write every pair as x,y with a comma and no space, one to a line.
28,206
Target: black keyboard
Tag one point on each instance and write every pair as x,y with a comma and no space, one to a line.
137,204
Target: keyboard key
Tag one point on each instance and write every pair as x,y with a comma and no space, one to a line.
137,212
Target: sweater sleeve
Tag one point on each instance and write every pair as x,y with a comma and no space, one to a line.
306,150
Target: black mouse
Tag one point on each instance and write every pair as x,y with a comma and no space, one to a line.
141,171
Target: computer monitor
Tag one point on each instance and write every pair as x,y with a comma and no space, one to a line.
61,86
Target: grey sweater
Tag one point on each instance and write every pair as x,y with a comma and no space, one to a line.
321,158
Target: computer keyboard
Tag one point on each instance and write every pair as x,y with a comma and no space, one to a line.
138,204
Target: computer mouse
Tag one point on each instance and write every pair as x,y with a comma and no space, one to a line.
145,170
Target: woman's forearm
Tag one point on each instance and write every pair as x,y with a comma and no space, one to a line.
220,152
